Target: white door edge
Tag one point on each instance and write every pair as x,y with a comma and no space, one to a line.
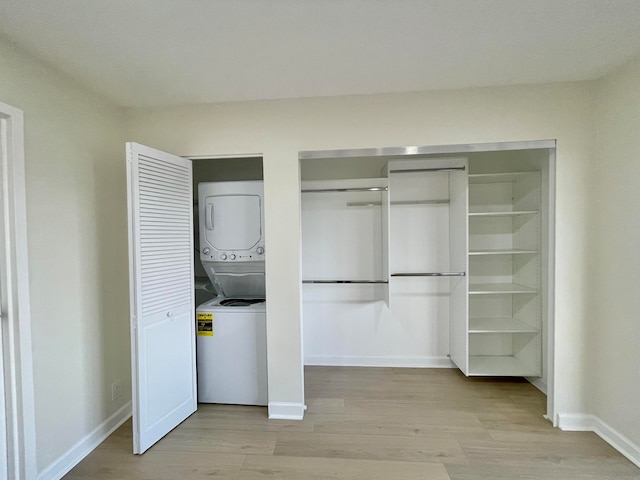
18,363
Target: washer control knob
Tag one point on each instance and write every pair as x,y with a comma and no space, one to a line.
260,250
206,250
223,256
232,256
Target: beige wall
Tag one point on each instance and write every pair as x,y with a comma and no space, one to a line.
279,129
613,255
76,220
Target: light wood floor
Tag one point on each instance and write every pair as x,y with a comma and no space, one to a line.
373,424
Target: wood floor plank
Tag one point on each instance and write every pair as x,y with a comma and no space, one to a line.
243,418
371,447
325,405
598,471
435,424
108,464
296,468
521,453
218,441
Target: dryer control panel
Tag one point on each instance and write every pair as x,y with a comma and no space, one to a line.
232,256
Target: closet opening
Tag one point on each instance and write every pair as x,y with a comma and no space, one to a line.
431,257
229,269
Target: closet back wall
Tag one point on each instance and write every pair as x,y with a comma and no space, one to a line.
280,129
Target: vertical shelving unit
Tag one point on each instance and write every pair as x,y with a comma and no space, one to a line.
505,309
423,270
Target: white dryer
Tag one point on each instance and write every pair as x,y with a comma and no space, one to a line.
232,351
231,219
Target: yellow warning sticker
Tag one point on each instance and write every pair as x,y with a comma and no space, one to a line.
205,324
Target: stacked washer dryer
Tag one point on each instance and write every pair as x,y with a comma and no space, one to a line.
231,342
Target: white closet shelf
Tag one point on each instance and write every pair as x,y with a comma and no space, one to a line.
498,177
510,213
494,288
502,251
499,325
500,366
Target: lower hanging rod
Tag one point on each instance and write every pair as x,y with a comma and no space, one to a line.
440,169
346,281
430,274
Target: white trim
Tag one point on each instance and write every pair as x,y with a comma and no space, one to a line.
427,149
224,156
539,383
550,326
20,416
577,422
73,456
413,151
365,361
286,411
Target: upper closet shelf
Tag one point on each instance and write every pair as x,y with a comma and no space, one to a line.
493,288
510,213
502,251
498,177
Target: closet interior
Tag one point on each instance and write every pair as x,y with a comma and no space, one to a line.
433,260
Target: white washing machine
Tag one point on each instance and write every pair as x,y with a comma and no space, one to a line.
232,351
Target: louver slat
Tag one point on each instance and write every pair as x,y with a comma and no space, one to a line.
165,234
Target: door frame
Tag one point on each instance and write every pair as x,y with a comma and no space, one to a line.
16,363
456,149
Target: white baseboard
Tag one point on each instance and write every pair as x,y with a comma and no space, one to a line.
576,422
73,456
355,361
286,411
591,423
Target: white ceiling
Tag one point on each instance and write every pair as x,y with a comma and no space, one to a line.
166,52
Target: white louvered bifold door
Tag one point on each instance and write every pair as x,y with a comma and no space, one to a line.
160,205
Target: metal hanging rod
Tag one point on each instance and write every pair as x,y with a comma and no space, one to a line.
346,281
357,189
398,202
430,274
440,169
